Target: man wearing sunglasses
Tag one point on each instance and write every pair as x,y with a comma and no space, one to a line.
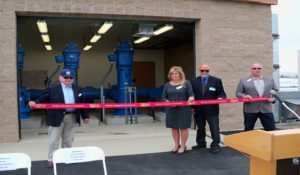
62,122
207,87
257,85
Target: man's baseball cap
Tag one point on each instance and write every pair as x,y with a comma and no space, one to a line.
67,73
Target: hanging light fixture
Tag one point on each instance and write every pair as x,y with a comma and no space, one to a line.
163,29
87,47
142,39
105,27
45,37
48,47
42,25
95,38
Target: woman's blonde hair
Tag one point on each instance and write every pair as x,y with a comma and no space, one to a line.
180,71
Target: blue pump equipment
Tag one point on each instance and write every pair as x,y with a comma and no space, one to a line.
71,58
23,94
124,63
124,59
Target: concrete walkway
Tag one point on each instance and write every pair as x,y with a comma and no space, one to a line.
113,139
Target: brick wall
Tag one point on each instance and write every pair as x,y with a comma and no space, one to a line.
230,37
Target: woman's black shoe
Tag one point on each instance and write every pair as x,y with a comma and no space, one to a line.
174,152
180,153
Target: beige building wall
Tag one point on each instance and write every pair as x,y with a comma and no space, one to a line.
229,36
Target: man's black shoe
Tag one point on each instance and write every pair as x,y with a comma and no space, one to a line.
198,147
214,150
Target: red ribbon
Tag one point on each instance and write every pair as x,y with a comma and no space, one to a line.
147,104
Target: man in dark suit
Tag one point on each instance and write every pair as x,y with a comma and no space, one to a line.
62,122
207,87
257,85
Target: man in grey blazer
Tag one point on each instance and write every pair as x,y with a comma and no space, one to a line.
257,85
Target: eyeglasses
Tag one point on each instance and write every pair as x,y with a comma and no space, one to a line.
204,70
68,77
254,68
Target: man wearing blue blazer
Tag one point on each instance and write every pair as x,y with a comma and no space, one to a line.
207,87
62,122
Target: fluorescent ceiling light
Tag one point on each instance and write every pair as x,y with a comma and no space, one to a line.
48,47
42,25
45,38
87,47
142,39
163,29
95,38
105,27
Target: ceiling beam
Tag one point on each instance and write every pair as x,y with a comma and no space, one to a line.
271,2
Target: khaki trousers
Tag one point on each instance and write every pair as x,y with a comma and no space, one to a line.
65,131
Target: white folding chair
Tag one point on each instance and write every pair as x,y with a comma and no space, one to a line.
14,161
78,155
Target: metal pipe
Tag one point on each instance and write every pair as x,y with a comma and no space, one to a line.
130,101
135,109
53,74
126,113
107,73
102,98
290,110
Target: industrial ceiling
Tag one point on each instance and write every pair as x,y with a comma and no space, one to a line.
68,28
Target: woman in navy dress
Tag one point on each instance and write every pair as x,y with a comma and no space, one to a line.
178,118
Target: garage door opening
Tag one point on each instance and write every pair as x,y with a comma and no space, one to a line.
151,59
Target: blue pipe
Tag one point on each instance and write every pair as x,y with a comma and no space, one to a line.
71,58
23,95
124,55
21,53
